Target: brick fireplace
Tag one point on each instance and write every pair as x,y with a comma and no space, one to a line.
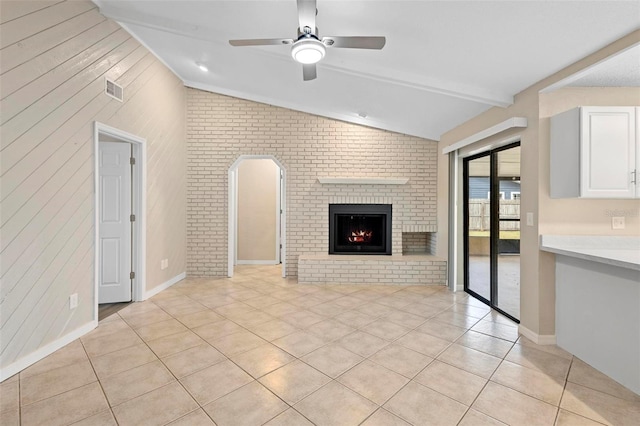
310,148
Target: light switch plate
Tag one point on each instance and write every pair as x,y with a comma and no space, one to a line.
529,219
73,301
617,222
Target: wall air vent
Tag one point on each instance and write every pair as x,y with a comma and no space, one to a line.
114,90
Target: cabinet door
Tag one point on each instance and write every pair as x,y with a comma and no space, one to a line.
608,152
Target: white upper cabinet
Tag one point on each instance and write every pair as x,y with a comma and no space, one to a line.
594,153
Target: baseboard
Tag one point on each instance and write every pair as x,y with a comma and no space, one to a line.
538,339
45,351
165,285
257,262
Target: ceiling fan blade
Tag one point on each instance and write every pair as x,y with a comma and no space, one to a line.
356,42
307,14
261,42
309,72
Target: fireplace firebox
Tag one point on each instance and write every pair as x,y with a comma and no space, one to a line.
360,229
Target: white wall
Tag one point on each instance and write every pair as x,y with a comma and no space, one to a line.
54,58
258,182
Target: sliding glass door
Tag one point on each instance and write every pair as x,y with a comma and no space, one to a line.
492,228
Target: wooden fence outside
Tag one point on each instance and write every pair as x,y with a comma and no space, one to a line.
479,211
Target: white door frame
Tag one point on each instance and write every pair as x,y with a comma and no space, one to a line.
139,208
232,213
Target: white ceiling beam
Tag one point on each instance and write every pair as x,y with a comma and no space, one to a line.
513,122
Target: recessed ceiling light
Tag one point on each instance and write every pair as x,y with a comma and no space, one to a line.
202,67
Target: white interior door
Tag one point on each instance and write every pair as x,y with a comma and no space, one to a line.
114,284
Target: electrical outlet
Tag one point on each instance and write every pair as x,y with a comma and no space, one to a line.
166,263
73,301
529,219
617,222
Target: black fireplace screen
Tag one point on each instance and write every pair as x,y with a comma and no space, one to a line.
360,229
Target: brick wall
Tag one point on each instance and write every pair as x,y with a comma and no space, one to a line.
222,128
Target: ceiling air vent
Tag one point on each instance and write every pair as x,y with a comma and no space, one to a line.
114,90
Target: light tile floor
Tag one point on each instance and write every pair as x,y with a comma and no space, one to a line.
258,349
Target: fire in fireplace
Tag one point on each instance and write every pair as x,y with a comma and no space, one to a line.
360,229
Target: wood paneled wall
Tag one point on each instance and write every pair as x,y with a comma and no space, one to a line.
54,57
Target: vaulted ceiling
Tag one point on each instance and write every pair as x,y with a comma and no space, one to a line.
444,61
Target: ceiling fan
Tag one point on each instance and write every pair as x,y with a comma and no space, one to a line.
308,48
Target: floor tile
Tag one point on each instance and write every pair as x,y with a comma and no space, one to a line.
237,343
424,343
71,354
195,418
422,310
401,360
294,381
122,360
530,382
129,384
457,319
252,404
501,331
385,329
335,405
599,406
375,309
147,318
453,382
332,360
182,309
299,343
384,418
485,343
55,382
373,381
9,396
281,308
161,329
157,407
193,359
567,418
552,349
419,405
355,319
104,418
468,359
405,319
476,418
538,360
329,330
273,330
262,360
361,343
10,418
442,330
197,319
66,408
261,301
302,319
111,342
583,374
289,417
252,318
512,407
215,381
217,330
174,343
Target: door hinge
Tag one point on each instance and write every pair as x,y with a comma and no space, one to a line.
132,275
132,218
132,161
280,211
281,246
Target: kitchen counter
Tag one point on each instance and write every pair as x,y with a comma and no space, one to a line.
612,250
598,302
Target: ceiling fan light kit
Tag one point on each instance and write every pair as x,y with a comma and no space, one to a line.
308,49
